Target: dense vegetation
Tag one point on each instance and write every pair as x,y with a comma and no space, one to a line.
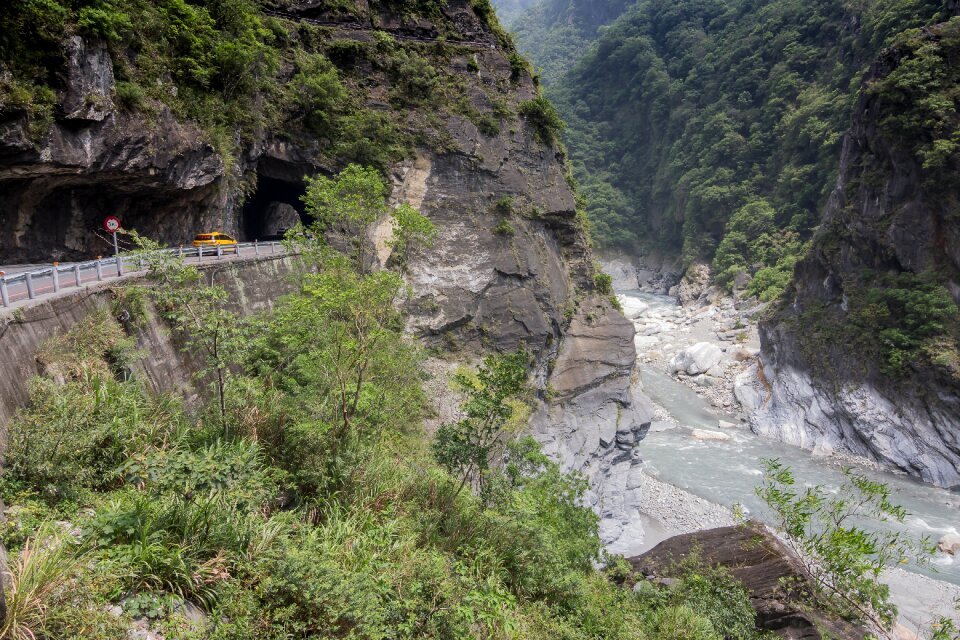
555,34
236,72
687,117
300,497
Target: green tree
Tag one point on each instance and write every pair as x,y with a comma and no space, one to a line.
199,311
412,232
467,448
351,202
336,349
842,556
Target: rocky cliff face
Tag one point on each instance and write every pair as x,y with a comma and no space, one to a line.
511,266
862,358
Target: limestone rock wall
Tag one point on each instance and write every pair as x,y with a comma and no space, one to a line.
511,267
818,392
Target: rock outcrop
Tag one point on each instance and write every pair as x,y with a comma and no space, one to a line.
653,272
764,565
498,277
828,379
595,417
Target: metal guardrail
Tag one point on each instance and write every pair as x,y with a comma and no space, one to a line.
77,274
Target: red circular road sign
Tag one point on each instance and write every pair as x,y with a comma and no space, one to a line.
111,224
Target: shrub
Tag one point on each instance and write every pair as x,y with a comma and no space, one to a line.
38,581
843,558
468,447
680,622
900,314
603,282
544,118
76,436
504,228
412,232
518,66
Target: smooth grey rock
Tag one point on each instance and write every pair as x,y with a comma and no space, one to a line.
598,417
278,218
89,81
623,272
696,359
694,285
747,389
741,280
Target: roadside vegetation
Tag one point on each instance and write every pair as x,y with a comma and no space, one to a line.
298,496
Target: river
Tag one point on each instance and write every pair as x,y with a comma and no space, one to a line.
727,472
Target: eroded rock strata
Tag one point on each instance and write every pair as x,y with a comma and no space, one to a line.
511,267
837,374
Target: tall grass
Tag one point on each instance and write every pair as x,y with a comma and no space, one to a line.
35,582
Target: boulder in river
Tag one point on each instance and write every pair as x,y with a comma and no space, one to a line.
949,543
706,434
763,564
696,359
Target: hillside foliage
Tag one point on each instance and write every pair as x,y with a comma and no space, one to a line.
683,115
235,71
300,496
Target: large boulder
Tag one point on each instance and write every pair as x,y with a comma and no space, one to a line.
623,272
695,283
949,543
696,359
763,564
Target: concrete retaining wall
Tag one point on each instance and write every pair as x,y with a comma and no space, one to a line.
253,285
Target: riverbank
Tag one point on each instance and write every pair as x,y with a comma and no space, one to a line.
701,458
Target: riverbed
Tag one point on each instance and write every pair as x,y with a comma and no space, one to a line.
726,471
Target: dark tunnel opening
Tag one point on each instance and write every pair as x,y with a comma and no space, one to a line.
273,208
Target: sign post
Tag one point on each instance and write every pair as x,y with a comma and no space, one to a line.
112,225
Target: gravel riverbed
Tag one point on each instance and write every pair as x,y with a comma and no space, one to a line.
663,331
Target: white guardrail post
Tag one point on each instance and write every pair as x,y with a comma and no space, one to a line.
79,267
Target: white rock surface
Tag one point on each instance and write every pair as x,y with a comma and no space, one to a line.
632,307
696,359
949,543
748,390
705,434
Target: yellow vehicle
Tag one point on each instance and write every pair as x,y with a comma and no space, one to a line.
212,239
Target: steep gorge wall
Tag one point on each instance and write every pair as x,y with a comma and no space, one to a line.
511,266
863,356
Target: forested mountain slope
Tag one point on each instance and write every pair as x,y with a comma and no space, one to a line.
862,353
713,127
554,34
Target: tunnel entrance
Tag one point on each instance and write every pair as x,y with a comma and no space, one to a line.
272,209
